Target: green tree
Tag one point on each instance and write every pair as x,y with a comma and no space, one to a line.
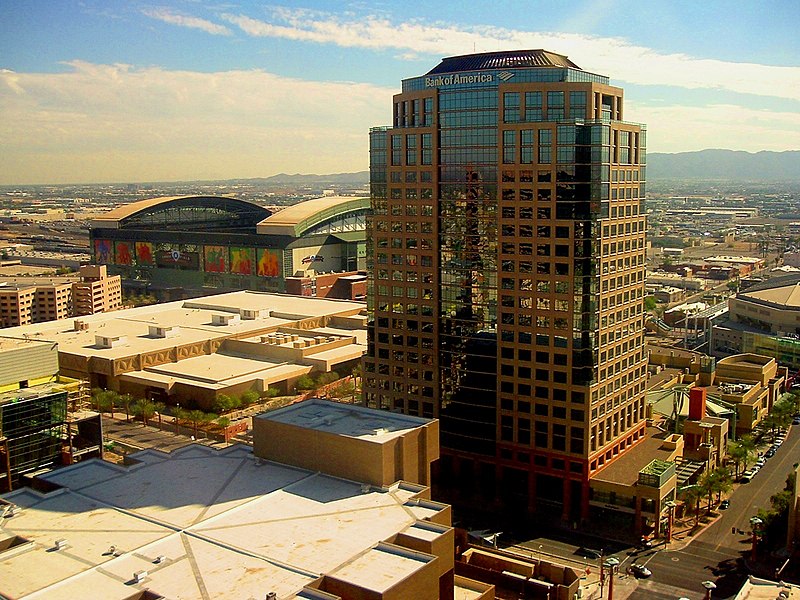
143,408
225,403
270,392
305,383
180,414
208,418
250,397
650,303
196,417
691,496
125,401
742,452
159,407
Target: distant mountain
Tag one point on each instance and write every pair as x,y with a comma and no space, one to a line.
360,177
730,165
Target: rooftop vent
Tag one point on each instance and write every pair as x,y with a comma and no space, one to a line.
138,576
160,559
60,544
225,319
105,341
271,596
80,326
158,331
251,314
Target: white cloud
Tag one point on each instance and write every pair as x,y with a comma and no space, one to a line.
119,123
616,57
167,16
678,128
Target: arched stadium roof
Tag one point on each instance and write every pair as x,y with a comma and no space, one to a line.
205,213
299,218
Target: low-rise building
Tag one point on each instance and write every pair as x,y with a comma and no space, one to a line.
44,417
24,301
190,352
202,523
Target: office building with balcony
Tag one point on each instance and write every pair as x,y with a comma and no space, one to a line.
506,275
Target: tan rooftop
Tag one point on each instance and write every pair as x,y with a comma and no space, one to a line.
345,419
202,523
625,469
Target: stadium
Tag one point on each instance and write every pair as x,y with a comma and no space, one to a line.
181,246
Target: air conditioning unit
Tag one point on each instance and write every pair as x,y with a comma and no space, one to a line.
138,576
80,326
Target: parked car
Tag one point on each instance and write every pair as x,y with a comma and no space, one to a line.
724,504
796,421
770,453
746,476
760,462
640,570
590,553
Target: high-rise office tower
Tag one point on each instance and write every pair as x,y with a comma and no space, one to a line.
507,273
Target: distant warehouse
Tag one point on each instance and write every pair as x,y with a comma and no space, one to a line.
191,245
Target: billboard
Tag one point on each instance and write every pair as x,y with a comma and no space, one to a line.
180,259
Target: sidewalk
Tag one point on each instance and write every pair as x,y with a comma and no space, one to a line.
134,435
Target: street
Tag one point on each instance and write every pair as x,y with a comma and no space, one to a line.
715,554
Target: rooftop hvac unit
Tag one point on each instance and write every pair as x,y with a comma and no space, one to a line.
60,544
80,326
160,559
158,331
225,319
251,314
138,576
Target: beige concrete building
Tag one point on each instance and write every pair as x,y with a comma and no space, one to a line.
24,301
201,523
97,291
763,319
189,352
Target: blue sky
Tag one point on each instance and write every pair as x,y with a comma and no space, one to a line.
111,90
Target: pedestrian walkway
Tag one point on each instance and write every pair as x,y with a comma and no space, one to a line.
134,435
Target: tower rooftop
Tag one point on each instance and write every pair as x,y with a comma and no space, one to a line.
502,60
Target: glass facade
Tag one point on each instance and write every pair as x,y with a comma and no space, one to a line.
507,278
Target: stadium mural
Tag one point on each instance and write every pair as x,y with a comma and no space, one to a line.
144,254
269,263
124,256
103,252
216,259
242,261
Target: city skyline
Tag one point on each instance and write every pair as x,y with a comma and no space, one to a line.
138,91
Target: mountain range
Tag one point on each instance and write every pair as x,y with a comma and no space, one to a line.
729,165
723,165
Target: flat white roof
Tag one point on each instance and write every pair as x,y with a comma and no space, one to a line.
345,419
227,526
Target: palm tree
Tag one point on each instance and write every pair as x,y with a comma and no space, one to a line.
125,400
692,495
722,481
208,418
196,417
159,407
143,408
180,414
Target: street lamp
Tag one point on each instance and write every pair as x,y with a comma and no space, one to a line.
611,564
709,585
755,524
670,504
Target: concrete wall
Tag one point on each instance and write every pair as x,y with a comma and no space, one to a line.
405,457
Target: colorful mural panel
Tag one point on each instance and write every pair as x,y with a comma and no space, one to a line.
269,263
216,259
242,261
124,253
144,253
103,252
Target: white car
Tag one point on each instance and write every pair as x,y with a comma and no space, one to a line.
640,570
